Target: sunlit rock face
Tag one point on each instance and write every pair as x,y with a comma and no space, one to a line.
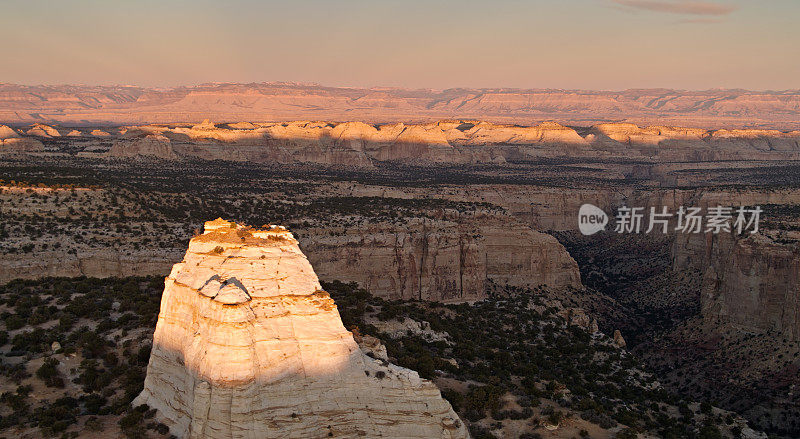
11,142
7,133
247,345
146,145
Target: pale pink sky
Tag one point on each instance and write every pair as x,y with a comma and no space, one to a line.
587,44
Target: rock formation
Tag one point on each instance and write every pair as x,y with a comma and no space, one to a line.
619,341
7,133
104,262
247,345
20,145
42,130
147,145
438,260
100,133
750,281
442,261
11,142
447,142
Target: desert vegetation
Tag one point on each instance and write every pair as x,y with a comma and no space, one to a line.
75,352
64,207
74,355
511,365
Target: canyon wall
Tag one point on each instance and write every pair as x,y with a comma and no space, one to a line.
441,261
751,281
248,345
556,208
99,262
431,260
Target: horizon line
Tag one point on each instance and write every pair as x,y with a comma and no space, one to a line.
388,87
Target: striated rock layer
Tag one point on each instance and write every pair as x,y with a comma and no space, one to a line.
105,262
444,142
247,345
287,101
442,261
751,281
448,142
446,260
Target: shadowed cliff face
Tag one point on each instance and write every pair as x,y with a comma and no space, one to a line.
750,281
248,345
443,261
286,101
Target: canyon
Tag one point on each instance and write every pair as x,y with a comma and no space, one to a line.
449,212
448,259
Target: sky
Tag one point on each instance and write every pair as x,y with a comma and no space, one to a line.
439,44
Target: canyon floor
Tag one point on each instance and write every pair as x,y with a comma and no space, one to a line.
472,274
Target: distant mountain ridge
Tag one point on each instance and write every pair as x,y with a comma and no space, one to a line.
265,102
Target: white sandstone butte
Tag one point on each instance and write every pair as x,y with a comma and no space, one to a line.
247,345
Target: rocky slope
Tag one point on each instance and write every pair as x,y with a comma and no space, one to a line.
288,101
248,345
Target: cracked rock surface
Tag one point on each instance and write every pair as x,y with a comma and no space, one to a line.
247,345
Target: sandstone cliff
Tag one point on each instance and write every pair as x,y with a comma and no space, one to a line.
146,145
247,345
750,281
102,262
442,261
